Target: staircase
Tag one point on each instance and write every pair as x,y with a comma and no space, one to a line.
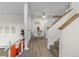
55,48
60,25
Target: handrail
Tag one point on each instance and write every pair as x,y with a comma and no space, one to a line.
69,21
59,19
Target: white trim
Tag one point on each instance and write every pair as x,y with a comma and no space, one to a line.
60,46
26,48
54,40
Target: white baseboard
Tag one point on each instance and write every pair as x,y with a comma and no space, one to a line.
48,47
26,48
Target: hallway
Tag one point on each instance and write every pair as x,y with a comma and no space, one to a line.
37,48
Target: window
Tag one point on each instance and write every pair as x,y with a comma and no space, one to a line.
1,29
7,29
13,29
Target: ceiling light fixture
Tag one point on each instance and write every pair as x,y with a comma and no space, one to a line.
44,15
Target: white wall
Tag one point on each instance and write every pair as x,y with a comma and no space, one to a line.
51,33
70,40
43,23
74,5
10,20
37,22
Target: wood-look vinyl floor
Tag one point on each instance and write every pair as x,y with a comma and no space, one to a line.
38,47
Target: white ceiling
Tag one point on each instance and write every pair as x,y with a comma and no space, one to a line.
36,8
50,8
12,8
